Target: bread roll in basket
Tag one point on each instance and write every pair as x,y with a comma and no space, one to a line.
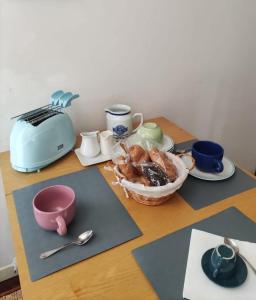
154,195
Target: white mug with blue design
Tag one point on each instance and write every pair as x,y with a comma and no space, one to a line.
120,119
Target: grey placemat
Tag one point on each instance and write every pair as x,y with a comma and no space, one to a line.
164,261
97,208
200,193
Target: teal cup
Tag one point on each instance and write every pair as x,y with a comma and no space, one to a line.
223,261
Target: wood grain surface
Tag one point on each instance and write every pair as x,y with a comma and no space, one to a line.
113,274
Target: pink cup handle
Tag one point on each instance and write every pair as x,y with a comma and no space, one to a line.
62,228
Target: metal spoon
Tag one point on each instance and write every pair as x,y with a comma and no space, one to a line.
236,249
81,240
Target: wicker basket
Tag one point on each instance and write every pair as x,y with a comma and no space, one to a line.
149,200
154,195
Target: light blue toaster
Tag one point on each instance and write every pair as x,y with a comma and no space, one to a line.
41,136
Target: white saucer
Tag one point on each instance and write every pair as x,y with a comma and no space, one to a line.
166,145
88,161
228,171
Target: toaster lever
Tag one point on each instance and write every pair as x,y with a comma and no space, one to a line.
54,100
59,98
66,99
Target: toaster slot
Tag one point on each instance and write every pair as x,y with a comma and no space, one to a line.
37,116
44,115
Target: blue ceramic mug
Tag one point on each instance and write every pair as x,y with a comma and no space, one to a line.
223,261
208,156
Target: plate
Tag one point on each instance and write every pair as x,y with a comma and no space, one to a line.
88,161
228,171
166,146
240,272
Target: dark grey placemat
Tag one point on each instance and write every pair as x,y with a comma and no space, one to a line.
97,208
164,260
199,193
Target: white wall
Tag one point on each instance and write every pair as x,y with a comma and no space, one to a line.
192,61
6,245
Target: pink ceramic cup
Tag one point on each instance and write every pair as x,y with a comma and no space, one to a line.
54,208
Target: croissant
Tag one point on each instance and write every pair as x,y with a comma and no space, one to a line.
164,162
126,168
138,154
142,180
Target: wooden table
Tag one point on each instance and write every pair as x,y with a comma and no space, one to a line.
113,274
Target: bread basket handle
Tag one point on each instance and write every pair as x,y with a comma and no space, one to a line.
191,157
